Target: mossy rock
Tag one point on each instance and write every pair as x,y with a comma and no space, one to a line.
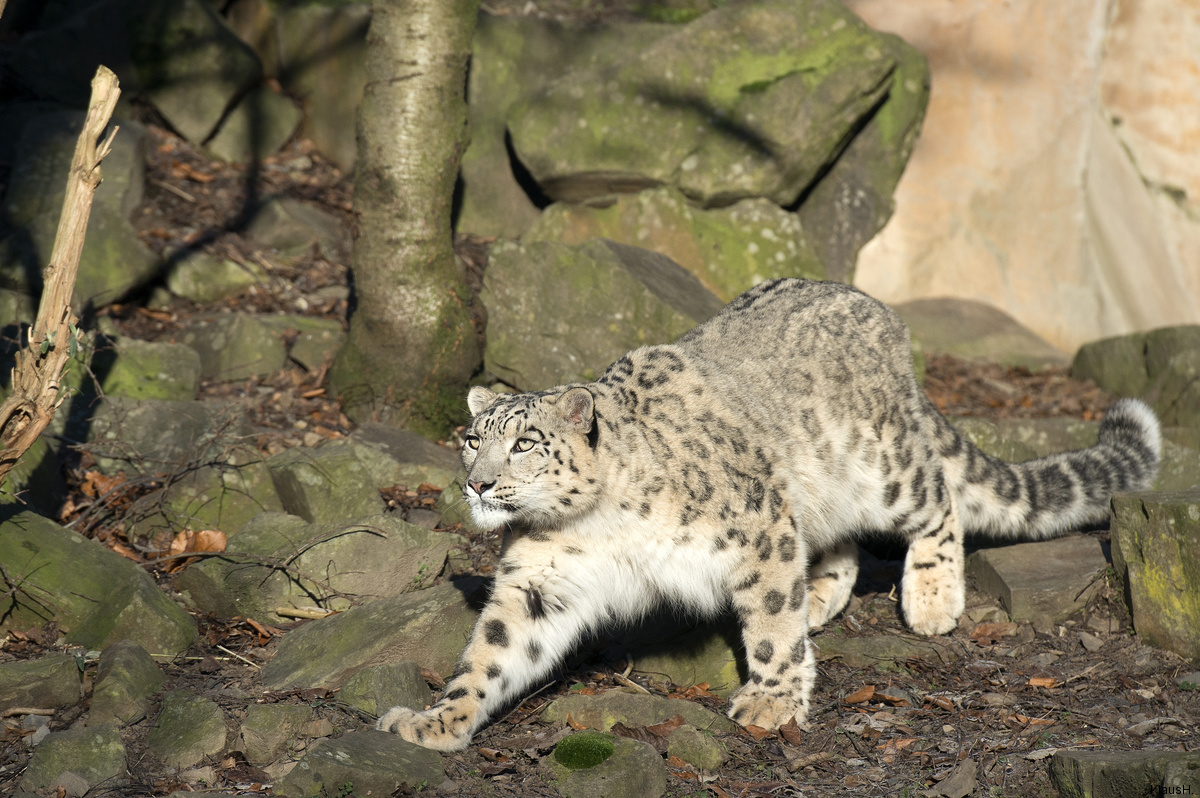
623,768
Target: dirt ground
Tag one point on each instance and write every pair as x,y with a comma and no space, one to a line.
1015,692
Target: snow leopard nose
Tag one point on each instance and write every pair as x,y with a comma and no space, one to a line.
479,487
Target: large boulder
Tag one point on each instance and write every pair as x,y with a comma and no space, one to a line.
317,51
750,100
976,330
1161,366
729,249
113,260
190,64
513,56
96,596
534,294
1156,552
277,561
429,627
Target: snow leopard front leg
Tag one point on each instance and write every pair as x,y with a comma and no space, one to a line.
545,597
770,596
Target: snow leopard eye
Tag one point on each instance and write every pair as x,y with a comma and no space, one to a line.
472,441
523,445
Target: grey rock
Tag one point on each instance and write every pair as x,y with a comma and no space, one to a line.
136,369
49,683
403,457
512,57
1043,582
291,227
312,341
728,249
224,497
204,278
976,330
325,485
1117,774
531,292
279,561
234,346
156,435
318,52
635,770
853,200
98,597
665,650
269,729
1156,553
601,711
377,689
188,729
429,627
377,763
190,64
696,748
745,101
1160,366
125,681
113,260
259,125
92,756
884,652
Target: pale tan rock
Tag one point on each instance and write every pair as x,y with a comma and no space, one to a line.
1020,191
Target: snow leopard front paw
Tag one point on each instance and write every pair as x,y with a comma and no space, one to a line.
430,729
755,707
933,602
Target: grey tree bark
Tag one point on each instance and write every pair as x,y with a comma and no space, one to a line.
411,346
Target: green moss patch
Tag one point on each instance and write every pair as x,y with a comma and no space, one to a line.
584,750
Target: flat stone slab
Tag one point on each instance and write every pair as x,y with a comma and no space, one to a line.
376,763
602,711
1044,582
1115,774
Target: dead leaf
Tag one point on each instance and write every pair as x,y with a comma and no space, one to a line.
757,732
987,633
493,755
699,690
860,696
892,700
96,484
126,552
665,728
575,724
203,540
1043,681
790,732
940,701
676,762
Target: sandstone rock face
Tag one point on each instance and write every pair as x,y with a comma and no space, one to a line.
1074,213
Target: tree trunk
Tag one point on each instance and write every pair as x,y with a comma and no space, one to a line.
411,346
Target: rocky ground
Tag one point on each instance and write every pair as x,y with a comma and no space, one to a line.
979,713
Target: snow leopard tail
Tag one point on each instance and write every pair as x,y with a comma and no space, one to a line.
1041,498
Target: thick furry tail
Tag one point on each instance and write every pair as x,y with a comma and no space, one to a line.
1050,495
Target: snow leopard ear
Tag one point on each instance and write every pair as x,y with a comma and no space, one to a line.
578,408
480,399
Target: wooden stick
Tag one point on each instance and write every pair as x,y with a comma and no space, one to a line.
53,339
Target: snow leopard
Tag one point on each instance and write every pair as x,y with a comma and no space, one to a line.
736,468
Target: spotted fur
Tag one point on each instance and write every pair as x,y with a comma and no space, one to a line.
737,467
